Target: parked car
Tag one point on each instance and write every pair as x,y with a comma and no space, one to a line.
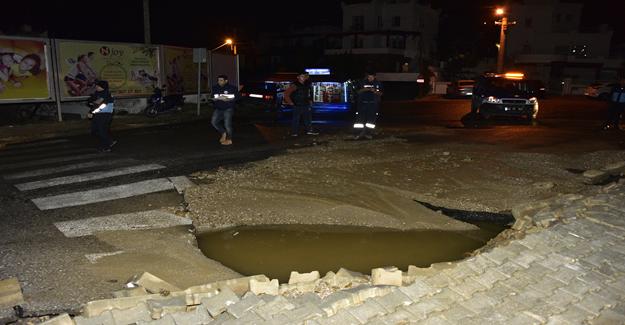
502,96
599,90
270,95
460,88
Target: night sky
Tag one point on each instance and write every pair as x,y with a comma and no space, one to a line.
206,23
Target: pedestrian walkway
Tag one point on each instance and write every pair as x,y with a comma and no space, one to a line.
564,265
49,171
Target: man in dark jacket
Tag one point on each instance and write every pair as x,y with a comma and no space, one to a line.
101,114
617,106
299,96
224,97
369,94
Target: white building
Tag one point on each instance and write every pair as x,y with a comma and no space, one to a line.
396,34
547,44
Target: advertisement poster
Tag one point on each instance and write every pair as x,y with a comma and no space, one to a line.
23,70
181,72
130,69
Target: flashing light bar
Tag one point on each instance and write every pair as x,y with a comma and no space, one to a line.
256,96
514,75
318,72
224,95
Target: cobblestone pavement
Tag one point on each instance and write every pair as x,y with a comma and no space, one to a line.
567,266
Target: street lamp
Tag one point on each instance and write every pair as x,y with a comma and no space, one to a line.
227,42
502,37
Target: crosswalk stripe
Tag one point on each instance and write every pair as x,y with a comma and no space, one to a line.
17,159
34,150
35,144
65,168
103,194
47,161
64,180
152,219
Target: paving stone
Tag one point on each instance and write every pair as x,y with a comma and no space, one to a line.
490,277
218,304
340,318
364,292
159,308
565,274
508,268
526,258
479,302
306,298
578,288
246,303
296,277
467,288
265,287
386,276
104,318
336,301
460,272
274,307
546,285
393,300
558,320
499,255
595,278
418,289
197,316
133,315
457,313
345,278
152,283
531,241
223,318
499,292
306,312
510,306
279,319
522,319
10,293
421,309
594,303
575,315
437,320
561,299
96,307
165,320
367,310
399,316
62,319
130,292
608,317
478,263
447,297
438,281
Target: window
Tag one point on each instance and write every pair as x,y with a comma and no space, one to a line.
396,21
528,22
380,24
358,23
397,42
357,43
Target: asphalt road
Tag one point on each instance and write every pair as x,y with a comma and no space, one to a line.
44,260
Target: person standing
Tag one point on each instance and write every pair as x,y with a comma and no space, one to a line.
101,114
224,98
369,94
617,105
299,96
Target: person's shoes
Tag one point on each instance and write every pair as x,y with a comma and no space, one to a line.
223,138
311,132
105,150
294,135
112,144
227,142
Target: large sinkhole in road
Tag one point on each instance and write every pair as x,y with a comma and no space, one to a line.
277,250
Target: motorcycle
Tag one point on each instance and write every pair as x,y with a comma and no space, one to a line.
158,104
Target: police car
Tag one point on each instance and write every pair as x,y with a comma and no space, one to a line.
507,95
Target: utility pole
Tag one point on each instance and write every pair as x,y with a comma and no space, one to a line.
501,55
146,22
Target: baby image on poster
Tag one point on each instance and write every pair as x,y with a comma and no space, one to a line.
81,78
19,61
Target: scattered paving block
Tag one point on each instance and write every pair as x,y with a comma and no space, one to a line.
246,303
615,169
336,301
273,307
306,312
152,283
300,287
196,298
198,316
393,300
239,285
345,278
303,277
265,287
62,319
340,318
386,276
104,318
594,176
218,304
364,292
10,293
307,298
96,307
130,292
366,310
161,307
132,315
166,320
418,289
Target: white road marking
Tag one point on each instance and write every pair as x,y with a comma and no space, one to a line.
19,158
103,194
53,160
181,183
93,258
35,144
152,219
64,180
65,168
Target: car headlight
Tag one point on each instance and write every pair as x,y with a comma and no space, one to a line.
533,100
492,99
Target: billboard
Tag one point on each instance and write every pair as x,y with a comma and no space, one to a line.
181,72
130,69
24,73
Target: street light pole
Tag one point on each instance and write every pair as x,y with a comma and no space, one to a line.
146,22
501,55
